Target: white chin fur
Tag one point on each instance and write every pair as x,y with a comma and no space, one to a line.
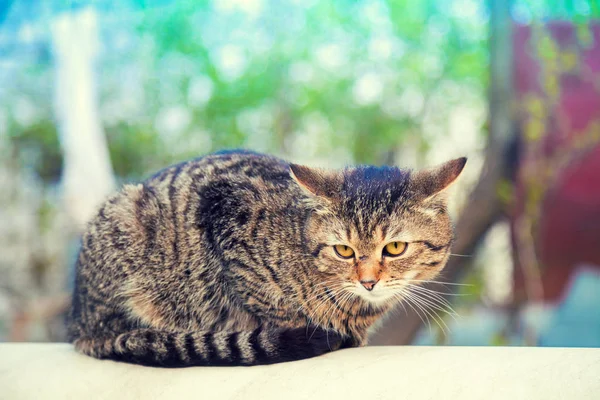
376,296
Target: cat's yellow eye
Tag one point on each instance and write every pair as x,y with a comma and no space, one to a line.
394,249
343,251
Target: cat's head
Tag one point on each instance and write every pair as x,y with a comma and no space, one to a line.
377,230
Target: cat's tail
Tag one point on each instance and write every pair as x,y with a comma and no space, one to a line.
184,349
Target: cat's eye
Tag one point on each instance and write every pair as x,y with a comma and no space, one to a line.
343,251
394,249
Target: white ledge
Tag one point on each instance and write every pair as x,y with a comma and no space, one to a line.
55,371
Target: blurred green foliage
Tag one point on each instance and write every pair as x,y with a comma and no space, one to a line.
348,81
38,145
345,81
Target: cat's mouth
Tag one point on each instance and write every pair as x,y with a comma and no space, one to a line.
378,294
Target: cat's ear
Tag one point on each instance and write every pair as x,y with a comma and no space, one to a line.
316,181
429,182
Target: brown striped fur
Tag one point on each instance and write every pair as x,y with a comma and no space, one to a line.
229,260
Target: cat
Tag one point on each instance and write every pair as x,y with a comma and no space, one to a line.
240,258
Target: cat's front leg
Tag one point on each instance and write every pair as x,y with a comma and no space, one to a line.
355,339
352,340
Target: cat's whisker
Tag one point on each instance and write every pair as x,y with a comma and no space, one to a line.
440,282
434,297
411,297
327,315
330,285
347,299
397,298
402,300
340,302
440,321
320,293
410,304
425,311
322,319
306,302
405,284
447,310
435,306
410,300
461,255
331,307
423,305
312,297
321,303
431,294
333,299
437,292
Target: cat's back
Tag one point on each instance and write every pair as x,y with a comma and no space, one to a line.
222,179
190,195
233,165
226,192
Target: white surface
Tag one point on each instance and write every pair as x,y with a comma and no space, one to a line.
55,371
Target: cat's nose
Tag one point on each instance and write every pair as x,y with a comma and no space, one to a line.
369,285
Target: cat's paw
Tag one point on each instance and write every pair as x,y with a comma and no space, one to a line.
350,342
310,341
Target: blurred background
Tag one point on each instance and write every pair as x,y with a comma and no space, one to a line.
97,93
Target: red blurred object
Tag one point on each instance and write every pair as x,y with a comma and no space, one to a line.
566,159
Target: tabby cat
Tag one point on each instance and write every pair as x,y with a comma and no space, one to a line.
239,258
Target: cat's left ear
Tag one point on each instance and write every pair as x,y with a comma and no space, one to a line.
318,182
429,182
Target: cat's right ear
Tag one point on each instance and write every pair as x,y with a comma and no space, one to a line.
433,181
317,182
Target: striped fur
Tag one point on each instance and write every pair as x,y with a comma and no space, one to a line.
228,260
184,349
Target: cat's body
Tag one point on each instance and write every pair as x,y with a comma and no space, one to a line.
227,260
